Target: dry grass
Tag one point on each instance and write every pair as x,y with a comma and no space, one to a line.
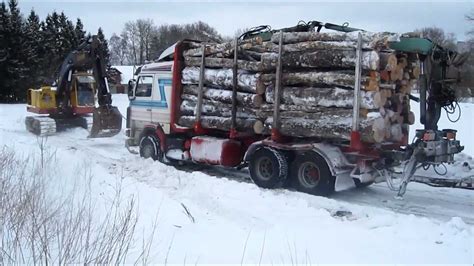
38,227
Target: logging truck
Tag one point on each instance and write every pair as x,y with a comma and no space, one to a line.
207,104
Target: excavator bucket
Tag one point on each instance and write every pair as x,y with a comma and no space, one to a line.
106,122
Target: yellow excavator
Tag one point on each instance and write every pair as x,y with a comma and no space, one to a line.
81,90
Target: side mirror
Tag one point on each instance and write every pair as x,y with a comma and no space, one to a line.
131,89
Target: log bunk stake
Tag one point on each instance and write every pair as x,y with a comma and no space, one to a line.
197,126
233,129
355,134
276,136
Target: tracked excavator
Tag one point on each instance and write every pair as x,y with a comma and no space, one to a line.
81,97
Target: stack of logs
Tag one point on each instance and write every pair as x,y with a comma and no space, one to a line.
317,86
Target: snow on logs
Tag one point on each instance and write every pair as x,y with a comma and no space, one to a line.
318,86
223,78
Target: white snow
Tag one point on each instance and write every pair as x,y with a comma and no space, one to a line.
127,72
237,222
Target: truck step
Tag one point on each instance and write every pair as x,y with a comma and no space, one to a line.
177,154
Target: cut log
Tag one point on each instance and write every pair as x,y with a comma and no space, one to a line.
223,78
388,61
397,73
409,118
385,75
226,63
373,40
407,88
219,123
328,78
223,49
402,60
268,108
296,111
378,99
396,133
213,108
328,126
327,59
326,97
374,81
413,69
259,127
225,96
307,46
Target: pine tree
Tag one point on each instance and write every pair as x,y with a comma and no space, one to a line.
35,52
79,32
51,46
67,37
104,49
3,32
16,66
5,91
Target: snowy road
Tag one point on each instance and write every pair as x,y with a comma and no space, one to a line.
236,221
420,200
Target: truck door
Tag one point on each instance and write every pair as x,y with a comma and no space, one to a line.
161,101
141,105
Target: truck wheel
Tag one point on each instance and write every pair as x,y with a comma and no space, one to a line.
150,148
268,168
310,174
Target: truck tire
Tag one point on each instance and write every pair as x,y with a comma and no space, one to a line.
310,174
150,148
268,168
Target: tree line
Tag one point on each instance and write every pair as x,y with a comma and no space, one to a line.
141,40
32,51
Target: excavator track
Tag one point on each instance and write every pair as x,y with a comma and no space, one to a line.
40,125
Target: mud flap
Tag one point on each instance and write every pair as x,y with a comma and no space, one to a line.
343,182
106,122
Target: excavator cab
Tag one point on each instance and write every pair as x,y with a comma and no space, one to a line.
83,91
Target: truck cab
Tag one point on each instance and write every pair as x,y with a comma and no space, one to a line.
150,98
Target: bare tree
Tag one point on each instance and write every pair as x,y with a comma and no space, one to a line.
137,35
118,50
467,71
470,18
142,41
438,36
166,35
145,31
130,36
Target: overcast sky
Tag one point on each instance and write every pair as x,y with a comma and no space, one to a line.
228,16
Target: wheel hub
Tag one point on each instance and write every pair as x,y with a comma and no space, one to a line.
309,174
265,168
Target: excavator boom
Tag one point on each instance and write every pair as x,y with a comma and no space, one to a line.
107,119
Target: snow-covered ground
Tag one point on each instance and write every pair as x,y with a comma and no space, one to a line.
233,221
